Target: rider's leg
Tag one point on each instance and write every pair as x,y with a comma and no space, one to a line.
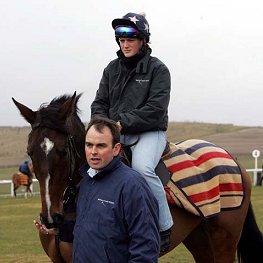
146,154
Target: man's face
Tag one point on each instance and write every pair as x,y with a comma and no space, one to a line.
130,46
99,149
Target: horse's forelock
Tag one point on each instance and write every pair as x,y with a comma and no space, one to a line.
59,101
48,114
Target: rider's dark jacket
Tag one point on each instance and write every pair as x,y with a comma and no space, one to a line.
138,97
117,218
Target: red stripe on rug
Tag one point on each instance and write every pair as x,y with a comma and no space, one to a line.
202,159
228,187
205,195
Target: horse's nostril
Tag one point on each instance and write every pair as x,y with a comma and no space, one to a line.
57,218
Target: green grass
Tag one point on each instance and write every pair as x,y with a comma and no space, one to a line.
18,237
19,240
7,172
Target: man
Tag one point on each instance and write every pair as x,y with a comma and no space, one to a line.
26,168
134,91
117,214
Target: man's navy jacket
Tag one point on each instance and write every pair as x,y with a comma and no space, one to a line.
117,217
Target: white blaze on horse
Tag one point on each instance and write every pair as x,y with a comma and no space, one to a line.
211,233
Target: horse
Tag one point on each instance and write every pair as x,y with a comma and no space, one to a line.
56,147
20,179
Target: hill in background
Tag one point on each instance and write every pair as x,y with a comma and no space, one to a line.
240,141
13,142
237,140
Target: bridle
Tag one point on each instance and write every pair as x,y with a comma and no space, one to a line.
70,192
69,195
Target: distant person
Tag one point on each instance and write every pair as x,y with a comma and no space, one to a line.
26,168
134,91
117,213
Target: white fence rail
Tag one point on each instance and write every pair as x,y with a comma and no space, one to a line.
253,172
12,187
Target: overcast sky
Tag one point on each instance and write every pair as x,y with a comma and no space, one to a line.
213,49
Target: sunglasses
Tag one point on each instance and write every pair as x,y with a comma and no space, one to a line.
123,31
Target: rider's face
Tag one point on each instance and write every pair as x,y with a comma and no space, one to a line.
130,46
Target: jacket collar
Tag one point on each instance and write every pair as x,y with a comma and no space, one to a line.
116,162
142,65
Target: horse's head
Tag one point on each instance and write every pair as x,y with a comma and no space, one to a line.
56,147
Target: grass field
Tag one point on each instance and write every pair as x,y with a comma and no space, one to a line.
19,239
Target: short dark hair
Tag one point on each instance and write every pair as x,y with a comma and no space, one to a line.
100,122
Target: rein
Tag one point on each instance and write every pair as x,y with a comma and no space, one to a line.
71,191
126,152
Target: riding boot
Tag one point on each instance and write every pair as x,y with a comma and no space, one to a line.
165,241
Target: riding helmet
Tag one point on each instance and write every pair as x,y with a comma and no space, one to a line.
132,25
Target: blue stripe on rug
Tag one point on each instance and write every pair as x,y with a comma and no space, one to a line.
206,176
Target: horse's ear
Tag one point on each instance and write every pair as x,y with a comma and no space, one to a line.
68,107
28,114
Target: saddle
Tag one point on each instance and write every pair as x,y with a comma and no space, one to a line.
198,176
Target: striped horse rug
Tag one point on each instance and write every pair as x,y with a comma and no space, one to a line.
205,179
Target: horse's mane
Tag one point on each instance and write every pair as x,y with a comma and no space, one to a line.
48,115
